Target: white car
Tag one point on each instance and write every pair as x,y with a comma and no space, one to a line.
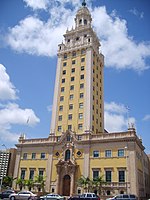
52,197
23,195
123,197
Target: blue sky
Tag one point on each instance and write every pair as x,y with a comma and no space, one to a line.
30,31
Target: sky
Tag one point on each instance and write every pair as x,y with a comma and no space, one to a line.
30,31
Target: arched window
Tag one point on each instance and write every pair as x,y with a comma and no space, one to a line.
80,21
67,155
85,22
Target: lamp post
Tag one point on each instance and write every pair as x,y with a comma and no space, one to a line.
126,157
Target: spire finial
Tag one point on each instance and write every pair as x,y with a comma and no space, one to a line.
84,3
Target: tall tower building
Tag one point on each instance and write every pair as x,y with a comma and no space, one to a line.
78,103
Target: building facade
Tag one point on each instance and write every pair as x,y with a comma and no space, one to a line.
7,163
78,145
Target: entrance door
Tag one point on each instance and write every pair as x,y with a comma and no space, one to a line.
66,185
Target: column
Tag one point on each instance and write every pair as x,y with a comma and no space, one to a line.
56,95
88,90
49,169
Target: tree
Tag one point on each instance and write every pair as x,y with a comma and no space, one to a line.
7,181
84,182
39,183
97,184
29,183
21,183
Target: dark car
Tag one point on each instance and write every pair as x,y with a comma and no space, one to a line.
6,193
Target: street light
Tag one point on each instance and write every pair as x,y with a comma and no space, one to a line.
126,168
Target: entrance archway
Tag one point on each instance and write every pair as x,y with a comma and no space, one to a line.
66,185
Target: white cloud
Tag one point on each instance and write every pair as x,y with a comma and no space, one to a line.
7,89
13,114
34,36
10,113
120,50
37,4
135,12
115,117
146,118
37,37
117,108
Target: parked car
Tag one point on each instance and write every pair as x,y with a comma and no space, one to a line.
124,197
86,196
6,193
23,195
52,197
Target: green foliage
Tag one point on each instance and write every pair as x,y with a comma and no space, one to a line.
7,181
91,185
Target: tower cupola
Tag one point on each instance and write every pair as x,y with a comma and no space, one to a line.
83,17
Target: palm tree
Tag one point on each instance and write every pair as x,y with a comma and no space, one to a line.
84,182
39,183
29,183
97,183
7,181
21,183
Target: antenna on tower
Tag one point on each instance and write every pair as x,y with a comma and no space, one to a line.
128,110
84,3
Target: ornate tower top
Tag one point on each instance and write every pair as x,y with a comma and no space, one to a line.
84,3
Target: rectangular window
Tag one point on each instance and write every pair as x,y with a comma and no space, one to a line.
33,156
82,59
62,98
81,85
95,174
73,62
72,78
82,76
41,172
70,117
64,72
25,156
108,175
72,87
120,152
31,175
80,126
65,64
83,50
72,70
121,176
71,96
70,106
79,137
62,89
108,153
80,115
73,54
81,95
59,128
65,56
82,68
63,80
70,127
60,108
95,154
60,118
81,105
23,172
42,155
